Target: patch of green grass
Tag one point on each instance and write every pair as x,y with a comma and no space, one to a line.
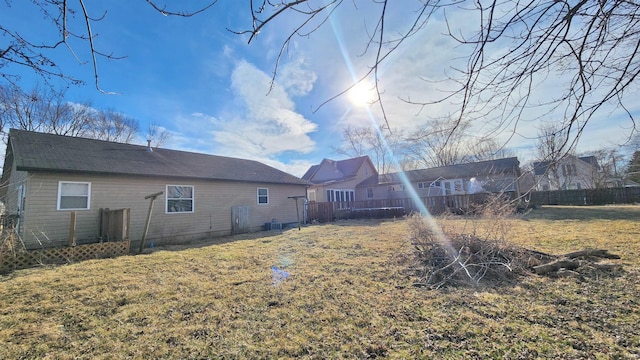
347,296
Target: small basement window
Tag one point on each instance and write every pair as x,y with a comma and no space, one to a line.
73,195
179,199
263,196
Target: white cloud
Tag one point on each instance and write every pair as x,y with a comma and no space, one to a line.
269,125
416,72
297,80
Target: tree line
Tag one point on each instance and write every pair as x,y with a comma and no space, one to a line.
46,109
433,144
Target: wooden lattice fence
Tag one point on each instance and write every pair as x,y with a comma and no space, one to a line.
10,260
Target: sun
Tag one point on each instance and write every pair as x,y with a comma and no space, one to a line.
362,94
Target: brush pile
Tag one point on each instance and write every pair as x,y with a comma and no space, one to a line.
446,258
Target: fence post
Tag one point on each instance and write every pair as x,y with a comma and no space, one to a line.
72,229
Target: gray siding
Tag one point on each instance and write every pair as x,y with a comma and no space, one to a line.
45,225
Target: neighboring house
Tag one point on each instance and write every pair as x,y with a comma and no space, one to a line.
492,176
337,181
613,182
46,177
569,173
357,180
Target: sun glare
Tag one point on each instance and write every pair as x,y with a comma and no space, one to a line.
362,94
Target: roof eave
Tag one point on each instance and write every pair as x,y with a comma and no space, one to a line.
104,173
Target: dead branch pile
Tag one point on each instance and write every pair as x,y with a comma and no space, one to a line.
451,259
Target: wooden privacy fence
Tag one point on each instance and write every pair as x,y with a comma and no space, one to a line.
15,260
604,196
114,224
331,211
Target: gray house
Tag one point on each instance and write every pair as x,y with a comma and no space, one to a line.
568,173
490,176
46,177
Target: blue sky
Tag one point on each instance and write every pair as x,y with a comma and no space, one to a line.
210,89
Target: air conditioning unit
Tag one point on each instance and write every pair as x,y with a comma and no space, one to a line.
273,226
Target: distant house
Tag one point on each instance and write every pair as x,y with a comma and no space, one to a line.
46,177
569,173
492,176
356,179
337,181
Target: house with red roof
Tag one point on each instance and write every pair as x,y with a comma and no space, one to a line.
338,181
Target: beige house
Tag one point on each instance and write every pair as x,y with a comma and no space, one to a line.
337,181
46,177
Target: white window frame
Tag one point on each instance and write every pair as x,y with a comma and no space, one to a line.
61,183
369,193
341,195
167,199
258,196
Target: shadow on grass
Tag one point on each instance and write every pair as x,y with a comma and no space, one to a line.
264,235
607,212
195,244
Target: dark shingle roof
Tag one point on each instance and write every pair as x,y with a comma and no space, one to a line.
456,171
350,167
47,152
309,174
344,169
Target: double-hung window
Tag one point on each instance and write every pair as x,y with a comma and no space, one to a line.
73,195
263,196
179,199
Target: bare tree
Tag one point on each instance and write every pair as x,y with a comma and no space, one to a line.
110,125
36,54
611,166
43,109
549,148
593,46
157,135
355,141
436,144
386,150
551,142
488,149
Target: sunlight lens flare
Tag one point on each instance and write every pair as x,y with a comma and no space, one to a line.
362,94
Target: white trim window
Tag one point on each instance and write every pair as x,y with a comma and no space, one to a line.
179,199
340,195
263,196
74,195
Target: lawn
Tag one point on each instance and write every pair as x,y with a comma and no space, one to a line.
339,290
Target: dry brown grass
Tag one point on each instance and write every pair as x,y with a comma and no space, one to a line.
347,296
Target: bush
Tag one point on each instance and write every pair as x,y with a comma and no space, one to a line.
475,256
